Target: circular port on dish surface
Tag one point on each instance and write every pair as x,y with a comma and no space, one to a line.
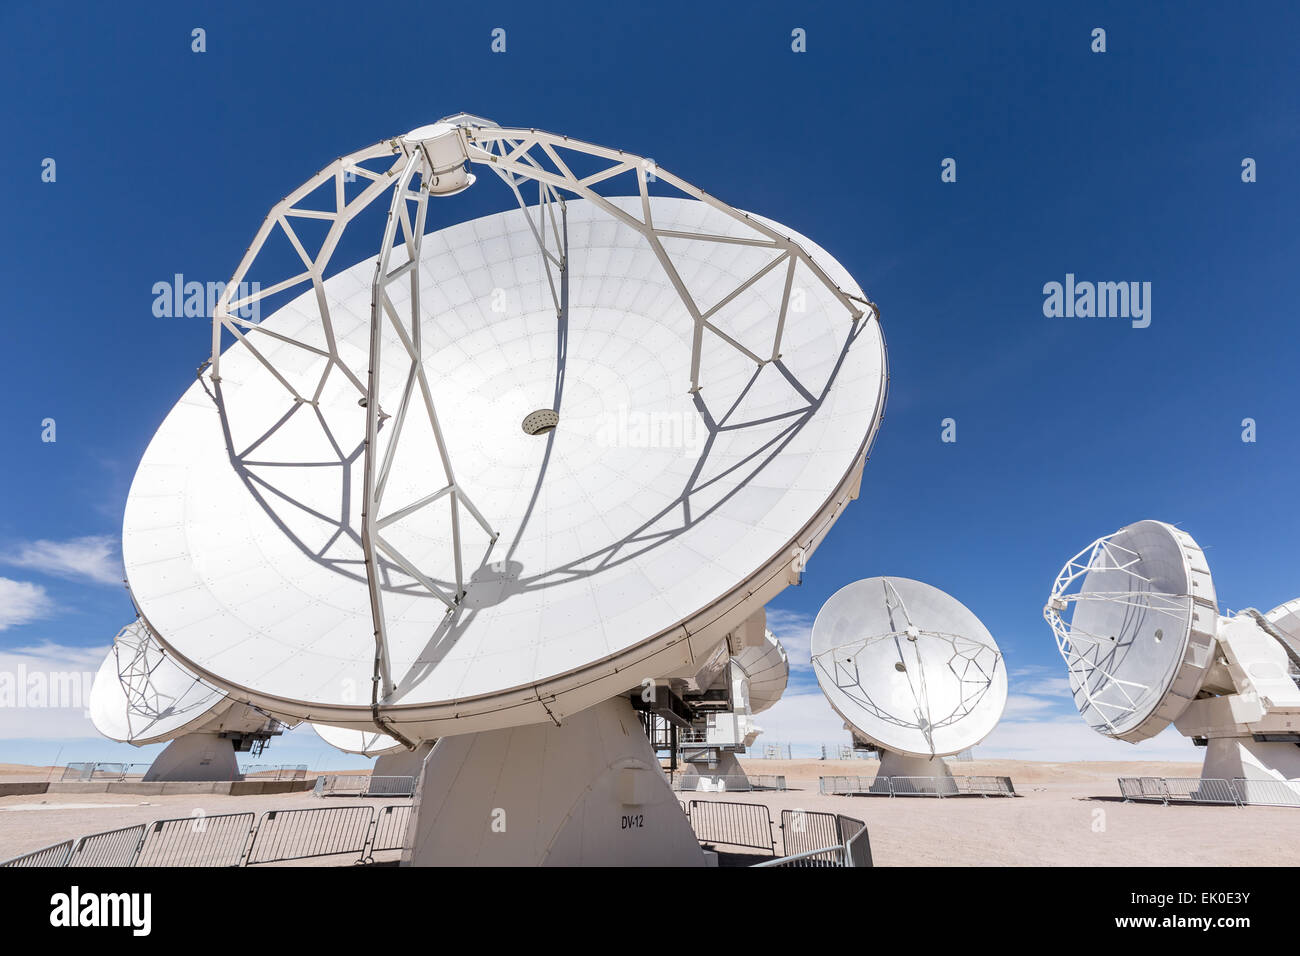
540,422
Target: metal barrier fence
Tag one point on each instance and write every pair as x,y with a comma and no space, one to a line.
231,839
916,786
805,830
320,831
196,841
848,843
923,786
1268,793
827,856
857,844
713,783
733,824
363,785
55,855
110,848
390,827
1168,790
767,781
987,786
83,772
286,771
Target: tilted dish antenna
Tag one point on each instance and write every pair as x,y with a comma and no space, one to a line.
142,695
430,493
1136,619
911,670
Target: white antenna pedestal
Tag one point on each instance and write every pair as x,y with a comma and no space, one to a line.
1227,758
586,793
893,764
197,756
403,763
725,773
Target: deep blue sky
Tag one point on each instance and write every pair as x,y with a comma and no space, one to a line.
1117,166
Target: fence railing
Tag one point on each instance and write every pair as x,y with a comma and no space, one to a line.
196,841
284,771
804,830
110,848
363,785
713,783
83,772
1168,790
838,840
986,786
233,839
732,824
768,781
320,831
1268,793
54,855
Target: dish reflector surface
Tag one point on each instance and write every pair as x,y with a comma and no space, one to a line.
141,695
365,742
909,667
1135,615
642,509
767,668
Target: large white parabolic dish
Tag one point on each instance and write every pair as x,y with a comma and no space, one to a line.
141,695
1135,615
620,556
908,667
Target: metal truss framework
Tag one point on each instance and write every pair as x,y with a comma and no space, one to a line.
973,663
135,668
1092,659
517,157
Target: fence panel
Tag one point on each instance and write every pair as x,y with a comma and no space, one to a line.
1268,793
827,856
197,841
390,787
713,783
55,855
734,824
922,786
988,786
805,830
1200,790
110,848
768,781
320,831
390,827
857,845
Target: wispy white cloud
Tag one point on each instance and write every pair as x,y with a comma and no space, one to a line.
794,630
22,601
93,558
1044,687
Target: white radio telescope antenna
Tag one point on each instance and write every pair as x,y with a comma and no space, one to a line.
142,695
493,476
911,670
1136,619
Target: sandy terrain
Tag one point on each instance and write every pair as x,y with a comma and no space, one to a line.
1067,814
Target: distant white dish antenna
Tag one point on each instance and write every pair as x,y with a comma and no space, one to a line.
911,670
346,498
1136,619
367,743
754,679
142,695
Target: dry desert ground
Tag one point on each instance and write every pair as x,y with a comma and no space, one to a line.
1066,814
